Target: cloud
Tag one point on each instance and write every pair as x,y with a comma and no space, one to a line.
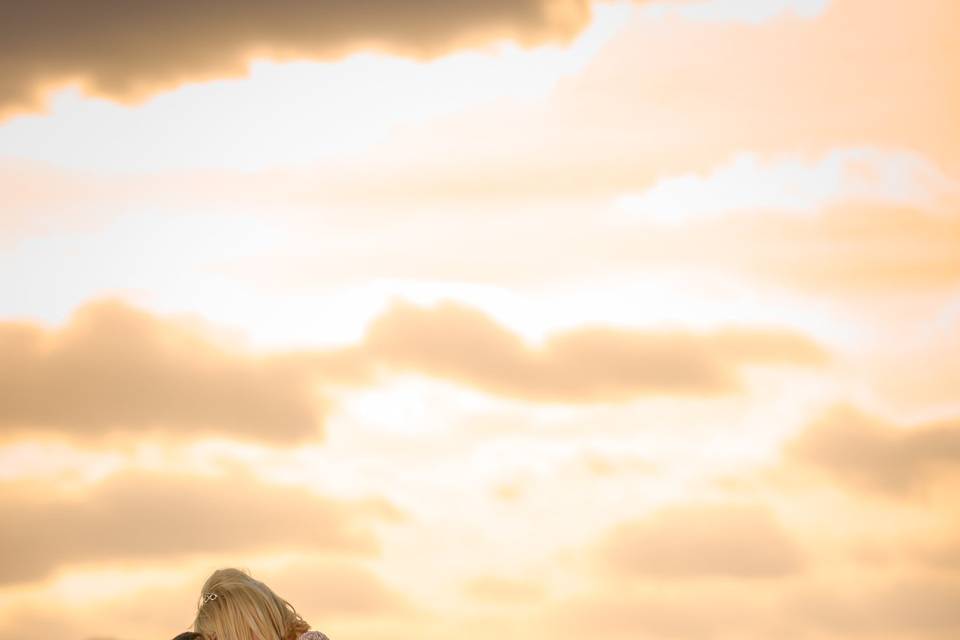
701,541
693,615
849,250
145,47
793,184
913,607
869,454
137,516
500,590
885,231
686,93
335,589
117,368
609,463
685,96
599,364
40,623
749,11
939,555
329,593
904,608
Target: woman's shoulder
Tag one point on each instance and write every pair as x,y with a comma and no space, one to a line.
313,635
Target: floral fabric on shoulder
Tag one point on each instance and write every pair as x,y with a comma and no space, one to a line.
313,635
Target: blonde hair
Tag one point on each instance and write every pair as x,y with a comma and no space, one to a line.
234,606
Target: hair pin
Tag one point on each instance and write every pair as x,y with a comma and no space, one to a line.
207,597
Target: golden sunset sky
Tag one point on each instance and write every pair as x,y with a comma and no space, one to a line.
513,319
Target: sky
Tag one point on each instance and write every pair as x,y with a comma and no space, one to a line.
517,319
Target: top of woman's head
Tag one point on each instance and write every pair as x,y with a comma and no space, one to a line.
235,606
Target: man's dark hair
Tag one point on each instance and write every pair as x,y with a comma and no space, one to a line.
188,635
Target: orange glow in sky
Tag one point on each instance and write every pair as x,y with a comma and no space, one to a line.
620,320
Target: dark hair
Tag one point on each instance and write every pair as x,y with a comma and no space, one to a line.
189,635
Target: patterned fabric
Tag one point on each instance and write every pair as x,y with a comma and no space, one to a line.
313,635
